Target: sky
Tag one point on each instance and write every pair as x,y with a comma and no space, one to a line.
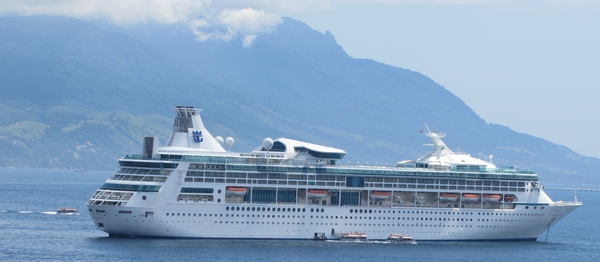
533,66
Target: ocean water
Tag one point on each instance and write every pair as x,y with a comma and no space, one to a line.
30,230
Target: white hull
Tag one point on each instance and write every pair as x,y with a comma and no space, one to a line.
214,222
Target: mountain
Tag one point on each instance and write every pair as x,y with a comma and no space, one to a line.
73,86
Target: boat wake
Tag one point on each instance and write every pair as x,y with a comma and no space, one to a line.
48,212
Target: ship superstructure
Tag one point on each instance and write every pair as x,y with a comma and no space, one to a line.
287,189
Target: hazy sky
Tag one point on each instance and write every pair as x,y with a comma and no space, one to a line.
531,65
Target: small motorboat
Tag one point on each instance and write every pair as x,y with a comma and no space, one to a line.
67,211
448,197
354,237
401,239
491,198
235,191
380,195
470,198
317,193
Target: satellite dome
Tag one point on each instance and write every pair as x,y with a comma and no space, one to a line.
268,143
219,140
229,141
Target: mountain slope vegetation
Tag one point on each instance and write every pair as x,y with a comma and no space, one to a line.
80,95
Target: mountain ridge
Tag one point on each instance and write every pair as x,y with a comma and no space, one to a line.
108,89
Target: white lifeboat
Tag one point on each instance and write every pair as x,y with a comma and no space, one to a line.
470,198
380,195
236,191
448,197
317,193
491,198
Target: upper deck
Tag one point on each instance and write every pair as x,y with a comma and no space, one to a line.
257,164
191,142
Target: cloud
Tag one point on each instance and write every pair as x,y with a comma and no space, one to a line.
122,12
230,23
245,22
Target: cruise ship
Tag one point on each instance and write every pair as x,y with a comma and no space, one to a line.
194,187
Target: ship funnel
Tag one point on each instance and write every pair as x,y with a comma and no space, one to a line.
189,131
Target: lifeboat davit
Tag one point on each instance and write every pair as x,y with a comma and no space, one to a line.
380,195
235,191
317,193
491,198
448,197
470,198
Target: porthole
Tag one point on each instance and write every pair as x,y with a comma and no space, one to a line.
227,208
322,210
268,209
360,211
219,191
237,209
294,209
278,209
243,208
303,209
289,209
143,197
351,211
253,208
370,211
317,210
263,209
219,200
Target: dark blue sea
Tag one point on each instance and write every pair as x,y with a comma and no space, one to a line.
31,231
